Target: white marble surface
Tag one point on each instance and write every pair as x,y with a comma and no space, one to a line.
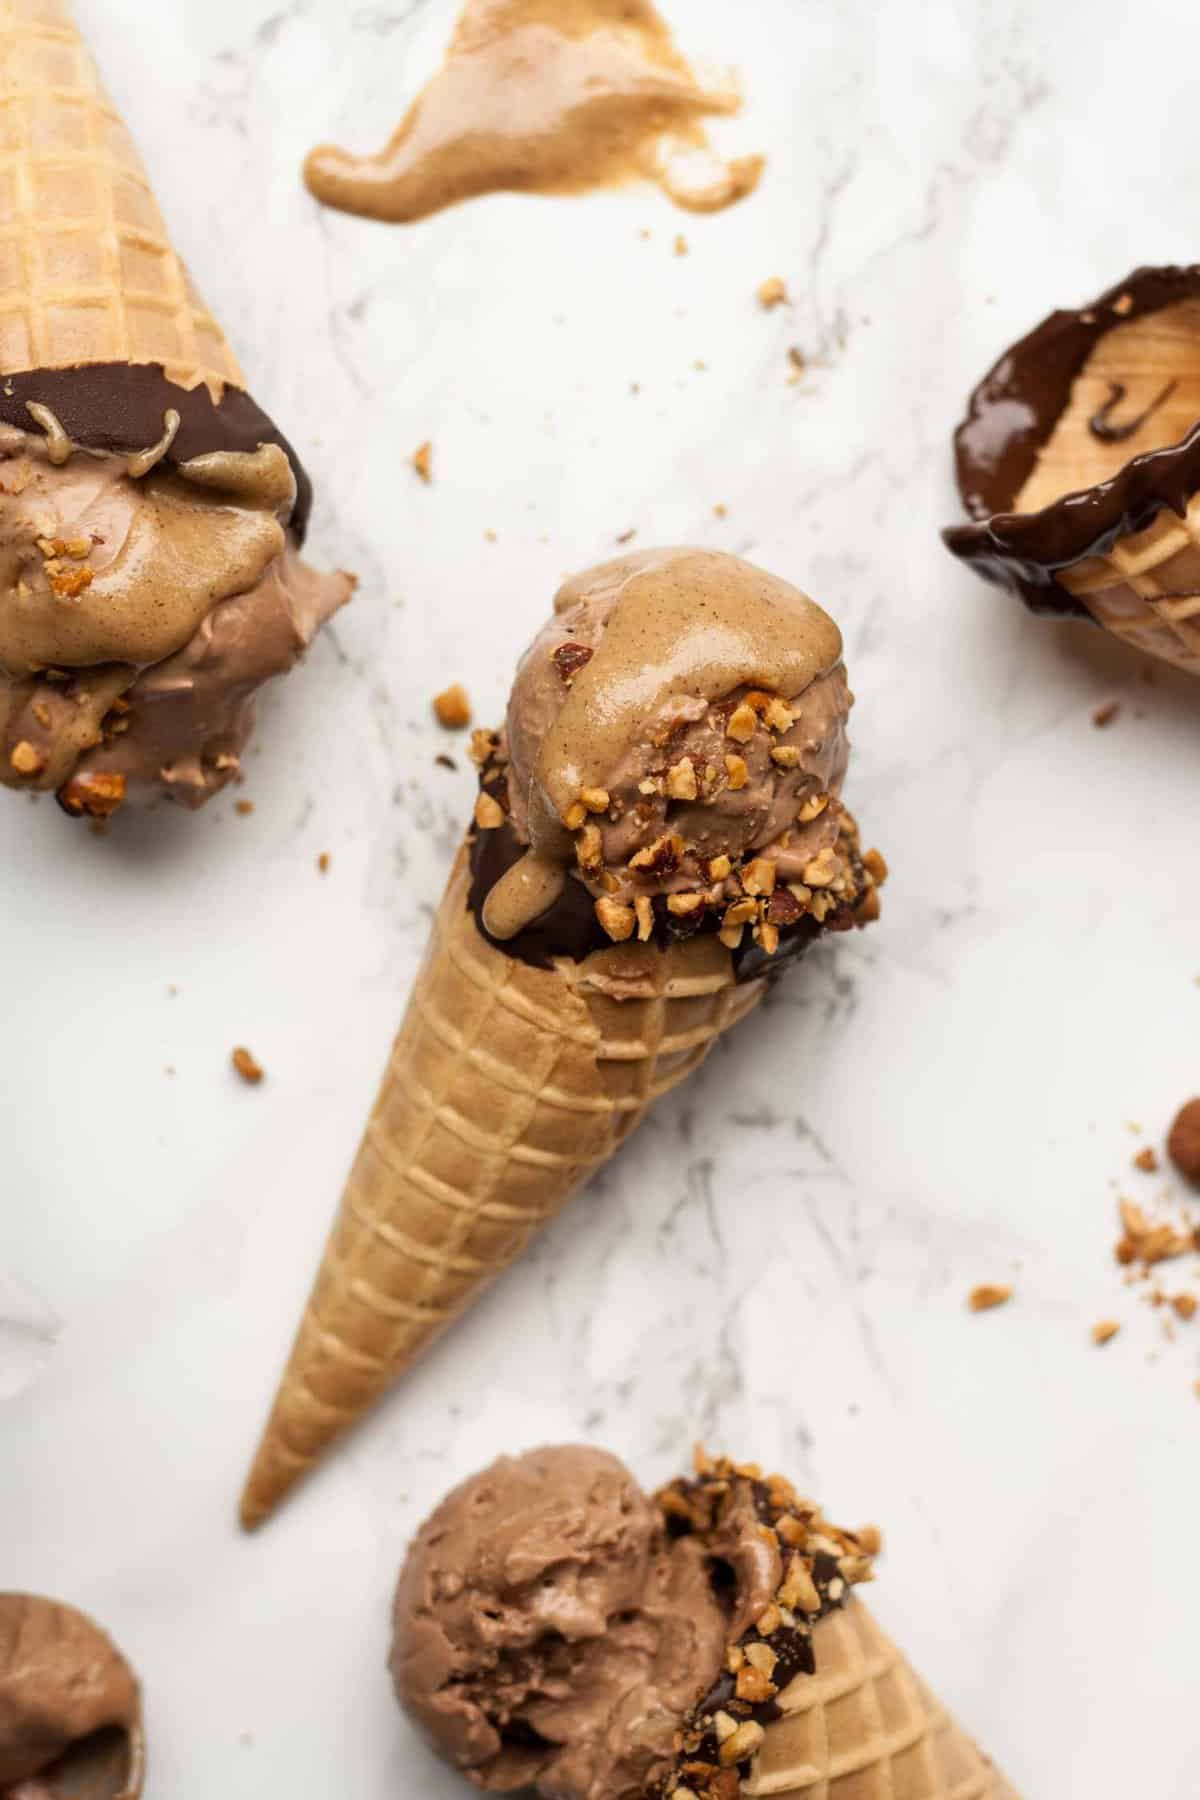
779,1265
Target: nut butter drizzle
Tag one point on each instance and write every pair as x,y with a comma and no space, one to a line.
818,1563
680,626
546,96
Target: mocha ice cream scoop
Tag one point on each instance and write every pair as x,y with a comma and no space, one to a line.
675,746
557,1629
70,1707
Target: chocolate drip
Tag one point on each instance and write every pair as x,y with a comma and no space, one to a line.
1100,427
120,407
1012,414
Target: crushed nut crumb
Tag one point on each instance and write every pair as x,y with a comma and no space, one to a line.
452,708
743,723
422,462
250,1070
772,293
987,1295
489,814
26,759
1105,1331
618,921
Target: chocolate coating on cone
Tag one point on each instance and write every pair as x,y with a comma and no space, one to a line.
1011,416
119,408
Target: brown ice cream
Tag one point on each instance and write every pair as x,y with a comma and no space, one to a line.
70,1708
551,97
676,739
556,1629
144,607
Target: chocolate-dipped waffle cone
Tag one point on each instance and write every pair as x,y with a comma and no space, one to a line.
508,1086
864,1726
1080,462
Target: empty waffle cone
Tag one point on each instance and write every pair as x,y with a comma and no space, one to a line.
88,273
508,1086
865,1727
1093,509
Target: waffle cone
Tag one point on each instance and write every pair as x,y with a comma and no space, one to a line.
507,1088
865,1727
88,273
1145,588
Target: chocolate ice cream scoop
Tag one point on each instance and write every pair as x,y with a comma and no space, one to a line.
671,761
556,1629
1079,464
70,1707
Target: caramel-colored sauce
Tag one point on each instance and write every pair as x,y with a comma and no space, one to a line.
547,97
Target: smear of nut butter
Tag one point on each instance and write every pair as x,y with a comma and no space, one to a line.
548,97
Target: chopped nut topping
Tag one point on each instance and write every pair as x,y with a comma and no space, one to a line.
740,913
988,1295
768,937
753,1685
597,800
570,658
27,760
724,1726
648,786
731,936
662,857
589,850
1105,1331
742,725
683,905
575,816
483,745
643,908
720,869
746,1741
68,584
489,814
823,870
453,708
97,795
759,877
812,809
786,756
681,780
799,1590
779,715
736,772
875,866
618,921
247,1067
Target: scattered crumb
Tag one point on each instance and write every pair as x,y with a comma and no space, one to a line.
1185,1306
243,808
721,510
173,991
491,537
627,537
773,293
453,708
323,862
422,462
26,760
1105,1331
446,762
1104,715
250,1071
1183,1142
700,364
799,362
1146,1160
681,245
988,1295
1148,1242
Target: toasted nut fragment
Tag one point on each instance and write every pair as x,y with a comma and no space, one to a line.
575,815
875,866
746,1742
786,756
662,857
683,905
483,745
1105,1331
250,1070
753,1685
720,869
489,814
27,760
648,786
97,795
736,772
799,1591
453,708
988,1295
772,293
743,724
618,921
731,936
681,780
596,799
779,715
869,908
1146,1160
724,1726
769,1621
589,850
812,809
740,913
1185,1306
734,1658
768,937
643,908
823,870
759,876
422,462
870,1538
792,1531
763,1657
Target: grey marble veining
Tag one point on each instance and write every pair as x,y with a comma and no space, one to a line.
779,1263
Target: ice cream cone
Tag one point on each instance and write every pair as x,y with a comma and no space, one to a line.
865,1727
88,273
508,1087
